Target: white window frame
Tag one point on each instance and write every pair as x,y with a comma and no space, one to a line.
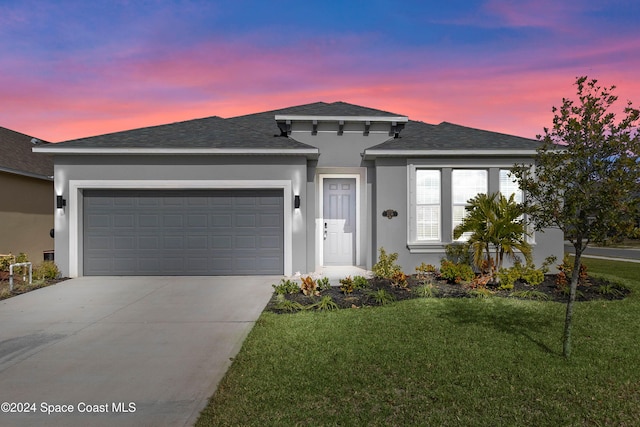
416,206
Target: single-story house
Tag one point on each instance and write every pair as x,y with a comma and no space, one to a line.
26,197
275,192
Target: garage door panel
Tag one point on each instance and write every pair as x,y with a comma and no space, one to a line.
183,232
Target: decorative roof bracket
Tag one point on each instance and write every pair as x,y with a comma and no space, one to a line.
340,127
315,128
367,126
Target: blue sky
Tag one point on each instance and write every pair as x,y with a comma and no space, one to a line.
70,69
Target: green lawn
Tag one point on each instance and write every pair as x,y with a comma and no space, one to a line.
441,362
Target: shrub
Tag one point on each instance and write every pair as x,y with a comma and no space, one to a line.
360,282
564,275
529,274
324,284
507,277
6,261
423,270
399,279
458,253
325,304
382,297
286,287
309,286
346,285
456,273
386,265
46,270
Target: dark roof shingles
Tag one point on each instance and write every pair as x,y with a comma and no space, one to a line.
16,155
447,136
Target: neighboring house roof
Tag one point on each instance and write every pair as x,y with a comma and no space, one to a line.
16,156
419,138
259,133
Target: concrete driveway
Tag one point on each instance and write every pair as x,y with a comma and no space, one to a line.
138,351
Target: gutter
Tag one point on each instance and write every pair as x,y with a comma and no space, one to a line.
373,154
24,173
312,153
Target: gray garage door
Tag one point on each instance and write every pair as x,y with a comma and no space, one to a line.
178,232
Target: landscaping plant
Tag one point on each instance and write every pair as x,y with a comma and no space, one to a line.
386,266
584,179
494,222
309,286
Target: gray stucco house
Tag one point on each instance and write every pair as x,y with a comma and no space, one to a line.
276,192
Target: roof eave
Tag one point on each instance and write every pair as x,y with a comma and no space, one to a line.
373,154
308,152
25,173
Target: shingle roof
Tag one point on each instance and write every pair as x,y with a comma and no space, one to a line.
265,122
16,155
448,136
260,131
210,132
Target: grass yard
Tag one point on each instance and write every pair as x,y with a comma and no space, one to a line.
441,362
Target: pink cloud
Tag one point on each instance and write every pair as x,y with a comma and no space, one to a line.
510,92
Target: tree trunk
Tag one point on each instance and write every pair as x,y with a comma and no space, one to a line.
566,340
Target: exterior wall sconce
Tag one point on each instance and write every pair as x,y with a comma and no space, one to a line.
296,201
60,202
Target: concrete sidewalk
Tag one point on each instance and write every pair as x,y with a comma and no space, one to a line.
127,351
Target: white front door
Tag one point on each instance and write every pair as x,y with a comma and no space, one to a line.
339,220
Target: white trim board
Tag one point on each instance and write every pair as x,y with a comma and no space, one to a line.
75,207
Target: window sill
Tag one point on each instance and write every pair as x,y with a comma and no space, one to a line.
426,247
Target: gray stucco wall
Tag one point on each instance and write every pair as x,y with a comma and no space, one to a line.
181,168
392,178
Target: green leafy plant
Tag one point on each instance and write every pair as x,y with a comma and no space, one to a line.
346,285
283,304
481,292
494,222
425,270
456,273
286,286
386,265
46,270
611,289
326,303
530,294
426,291
360,282
309,286
324,284
6,261
508,276
458,253
382,296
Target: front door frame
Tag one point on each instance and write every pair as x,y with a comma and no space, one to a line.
319,224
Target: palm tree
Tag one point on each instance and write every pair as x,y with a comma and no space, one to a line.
494,222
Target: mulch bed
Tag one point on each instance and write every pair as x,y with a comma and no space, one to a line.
444,289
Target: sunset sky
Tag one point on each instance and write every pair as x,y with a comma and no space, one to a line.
71,69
